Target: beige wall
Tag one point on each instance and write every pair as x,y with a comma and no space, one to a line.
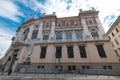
117,37
91,50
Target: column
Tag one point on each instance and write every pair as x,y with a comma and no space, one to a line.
73,36
85,30
52,32
30,32
63,36
40,36
20,35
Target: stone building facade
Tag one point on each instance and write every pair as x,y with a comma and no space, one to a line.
68,44
114,36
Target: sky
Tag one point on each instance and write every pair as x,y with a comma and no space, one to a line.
14,12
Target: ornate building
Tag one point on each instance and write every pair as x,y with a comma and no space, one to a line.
68,44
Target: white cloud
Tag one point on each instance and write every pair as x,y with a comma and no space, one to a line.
9,10
106,7
5,40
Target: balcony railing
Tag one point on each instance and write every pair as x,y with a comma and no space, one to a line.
28,70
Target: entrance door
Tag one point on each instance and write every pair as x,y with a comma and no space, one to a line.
13,60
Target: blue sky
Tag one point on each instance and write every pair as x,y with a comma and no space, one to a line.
14,12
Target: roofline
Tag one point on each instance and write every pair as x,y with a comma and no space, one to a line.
53,15
113,25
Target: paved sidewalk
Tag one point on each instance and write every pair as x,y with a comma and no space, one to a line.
57,77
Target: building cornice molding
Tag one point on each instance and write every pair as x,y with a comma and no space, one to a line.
113,25
72,42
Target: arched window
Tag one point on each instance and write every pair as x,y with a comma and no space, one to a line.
90,21
76,23
94,33
46,36
25,34
59,24
79,35
68,35
67,24
47,25
58,35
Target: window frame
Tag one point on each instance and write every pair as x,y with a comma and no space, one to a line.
79,35
59,25
43,52
90,21
70,51
58,35
58,53
34,34
101,51
117,30
68,35
47,25
25,33
82,50
46,36
94,33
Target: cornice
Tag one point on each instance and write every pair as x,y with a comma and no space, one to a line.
113,25
72,42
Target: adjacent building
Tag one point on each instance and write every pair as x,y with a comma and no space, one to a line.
114,35
68,44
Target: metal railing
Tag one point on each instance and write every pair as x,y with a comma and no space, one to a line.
115,72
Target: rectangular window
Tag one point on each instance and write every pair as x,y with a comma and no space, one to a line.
58,67
82,51
69,36
79,35
109,37
71,68
101,50
42,67
58,52
70,52
85,67
107,67
47,25
58,36
94,34
112,34
34,34
45,36
43,52
117,30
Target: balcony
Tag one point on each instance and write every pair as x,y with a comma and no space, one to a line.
69,27
92,27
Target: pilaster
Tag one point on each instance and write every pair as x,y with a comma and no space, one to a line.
52,32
